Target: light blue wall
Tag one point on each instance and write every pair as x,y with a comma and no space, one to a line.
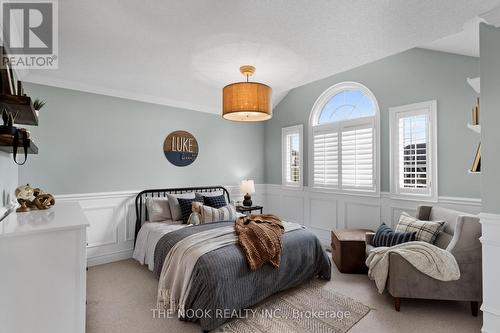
94,143
8,178
413,76
490,118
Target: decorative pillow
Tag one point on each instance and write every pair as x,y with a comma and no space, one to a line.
175,209
427,231
215,201
158,209
385,236
210,214
186,207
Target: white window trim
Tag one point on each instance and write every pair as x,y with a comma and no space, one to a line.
417,108
313,119
299,129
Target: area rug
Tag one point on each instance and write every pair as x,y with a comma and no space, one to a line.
312,307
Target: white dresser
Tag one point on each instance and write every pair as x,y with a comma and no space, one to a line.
43,270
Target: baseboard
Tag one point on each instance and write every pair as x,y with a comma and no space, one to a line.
110,257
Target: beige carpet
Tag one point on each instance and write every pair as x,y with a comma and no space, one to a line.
121,297
310,308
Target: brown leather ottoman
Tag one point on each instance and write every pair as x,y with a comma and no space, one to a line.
348,250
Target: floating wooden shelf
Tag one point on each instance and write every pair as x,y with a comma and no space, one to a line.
7,147
26,114
475,128
475,83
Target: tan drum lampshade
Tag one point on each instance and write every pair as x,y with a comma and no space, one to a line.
247,101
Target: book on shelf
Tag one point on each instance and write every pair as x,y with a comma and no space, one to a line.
476,164
475,113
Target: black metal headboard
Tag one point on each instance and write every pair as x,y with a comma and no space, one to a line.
140,201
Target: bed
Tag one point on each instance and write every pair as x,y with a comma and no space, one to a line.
221,283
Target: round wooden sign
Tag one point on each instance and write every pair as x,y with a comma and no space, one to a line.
180,148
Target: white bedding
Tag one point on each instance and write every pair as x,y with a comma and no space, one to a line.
147,238
149,235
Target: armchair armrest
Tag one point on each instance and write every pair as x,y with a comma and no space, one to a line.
369,238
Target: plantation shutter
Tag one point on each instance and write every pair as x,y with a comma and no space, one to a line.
292,158
357,158
325,159
413,152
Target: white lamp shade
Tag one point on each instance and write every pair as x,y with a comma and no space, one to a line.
247,186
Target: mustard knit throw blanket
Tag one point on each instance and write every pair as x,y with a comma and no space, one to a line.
260,238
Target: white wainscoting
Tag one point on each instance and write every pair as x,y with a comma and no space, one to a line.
491,271
326,211
110,236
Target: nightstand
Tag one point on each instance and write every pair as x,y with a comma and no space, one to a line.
247,210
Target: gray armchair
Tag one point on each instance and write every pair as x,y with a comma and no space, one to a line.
460,236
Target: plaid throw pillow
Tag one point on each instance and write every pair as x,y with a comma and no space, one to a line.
385,236
186,207
427,231
215,202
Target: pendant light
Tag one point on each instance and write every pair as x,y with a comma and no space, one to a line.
247,101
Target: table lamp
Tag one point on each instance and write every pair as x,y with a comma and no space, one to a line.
247,186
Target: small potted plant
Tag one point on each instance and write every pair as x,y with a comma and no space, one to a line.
38,104
9,119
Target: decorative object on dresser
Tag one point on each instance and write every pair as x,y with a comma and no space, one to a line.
32,199
348,250
248,187
180,148
249,209
247,101
460,237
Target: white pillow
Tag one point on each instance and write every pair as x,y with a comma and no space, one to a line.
175,208
158,209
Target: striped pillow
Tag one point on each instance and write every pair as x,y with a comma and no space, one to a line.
427,231
210,214
385,236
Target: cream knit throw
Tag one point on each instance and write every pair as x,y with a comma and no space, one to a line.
427,258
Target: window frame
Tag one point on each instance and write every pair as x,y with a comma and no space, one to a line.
429,109
313,127
285,131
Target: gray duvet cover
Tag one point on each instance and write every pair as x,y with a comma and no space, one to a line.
222,283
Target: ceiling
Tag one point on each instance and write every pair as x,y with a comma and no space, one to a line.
181,53
466,41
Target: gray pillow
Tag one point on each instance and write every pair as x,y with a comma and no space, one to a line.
158,209
175,208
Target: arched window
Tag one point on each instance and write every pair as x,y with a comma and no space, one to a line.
344,140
